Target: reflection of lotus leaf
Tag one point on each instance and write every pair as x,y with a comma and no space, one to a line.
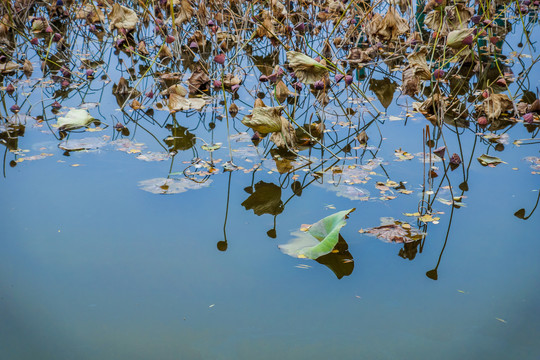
180,139
384,90
320,239
266,199
171,186
340,260
9,134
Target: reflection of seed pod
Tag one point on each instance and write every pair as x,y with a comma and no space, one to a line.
125,131
455,159
233,110
318,85
10,88
348,79
296,188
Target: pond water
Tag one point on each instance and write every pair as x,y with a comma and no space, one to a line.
136,242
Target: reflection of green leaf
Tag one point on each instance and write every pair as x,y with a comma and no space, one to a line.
320,239
266,199
487,160
340,260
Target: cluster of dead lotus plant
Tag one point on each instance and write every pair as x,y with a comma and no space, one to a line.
448,53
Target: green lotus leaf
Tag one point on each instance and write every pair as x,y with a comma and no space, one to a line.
75,118
319,240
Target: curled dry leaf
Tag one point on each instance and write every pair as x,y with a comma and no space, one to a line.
8,67
27,67
411,82
456,37
388,28
265,120
122,17
184,14
229,80
286,137
282,91
175,89
141,48
449,18
91,13
198,82
180,103
418,62
306,69
496,104
165,52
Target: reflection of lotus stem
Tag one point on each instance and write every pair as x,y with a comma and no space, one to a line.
226,112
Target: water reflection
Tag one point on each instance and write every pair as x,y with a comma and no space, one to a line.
326,118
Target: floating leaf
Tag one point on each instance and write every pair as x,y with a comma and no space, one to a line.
83,144
395,231
74,119
319,240
179,103
306,69
153,156
122,17
211,148
492,161
171,186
